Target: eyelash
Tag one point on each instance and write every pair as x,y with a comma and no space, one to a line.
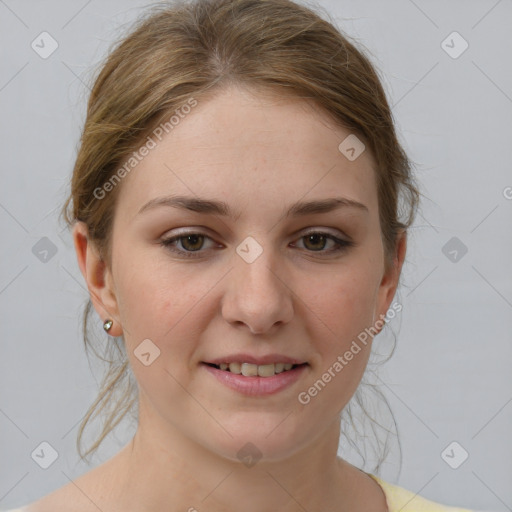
341,245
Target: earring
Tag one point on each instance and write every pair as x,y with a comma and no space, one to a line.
107,325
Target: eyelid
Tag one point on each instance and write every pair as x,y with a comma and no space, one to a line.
337,233
202,230
342,243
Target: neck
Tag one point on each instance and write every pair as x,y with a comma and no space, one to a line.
162,466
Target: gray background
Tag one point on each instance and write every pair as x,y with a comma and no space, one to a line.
449,379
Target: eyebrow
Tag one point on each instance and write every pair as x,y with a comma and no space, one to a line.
210,206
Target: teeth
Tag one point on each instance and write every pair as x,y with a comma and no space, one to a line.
254,370
235,368
266,370
249,370
279,367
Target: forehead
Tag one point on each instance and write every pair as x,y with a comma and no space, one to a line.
250,149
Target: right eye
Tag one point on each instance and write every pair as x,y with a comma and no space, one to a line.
191,242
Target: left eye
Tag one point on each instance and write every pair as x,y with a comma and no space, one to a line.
316,238
192,243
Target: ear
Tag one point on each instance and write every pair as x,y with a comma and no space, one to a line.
98,277
391,277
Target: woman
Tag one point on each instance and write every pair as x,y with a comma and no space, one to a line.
235,213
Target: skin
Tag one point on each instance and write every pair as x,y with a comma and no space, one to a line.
258,154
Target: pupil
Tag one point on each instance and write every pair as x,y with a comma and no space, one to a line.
192,237
316,236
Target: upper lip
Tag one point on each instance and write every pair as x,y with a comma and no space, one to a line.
259,360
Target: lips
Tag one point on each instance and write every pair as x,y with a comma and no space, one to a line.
248,365
259,360
252,384
254,370
256,375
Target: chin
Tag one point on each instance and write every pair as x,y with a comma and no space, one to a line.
259,440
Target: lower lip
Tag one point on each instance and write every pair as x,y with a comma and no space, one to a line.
257,386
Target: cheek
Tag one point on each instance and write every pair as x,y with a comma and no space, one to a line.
165,305
149,294
343,304
160,333
342,316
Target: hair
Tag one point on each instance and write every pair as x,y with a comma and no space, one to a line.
195,49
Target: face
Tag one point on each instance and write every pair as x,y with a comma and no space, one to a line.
257,279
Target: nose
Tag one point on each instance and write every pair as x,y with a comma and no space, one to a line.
258,295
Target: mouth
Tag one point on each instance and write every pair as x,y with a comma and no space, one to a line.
256,380
255,370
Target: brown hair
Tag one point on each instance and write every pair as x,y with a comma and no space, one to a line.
192,49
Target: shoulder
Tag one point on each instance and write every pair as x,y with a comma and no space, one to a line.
64,499
400,499
55,502
31,507
92,491
69,498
